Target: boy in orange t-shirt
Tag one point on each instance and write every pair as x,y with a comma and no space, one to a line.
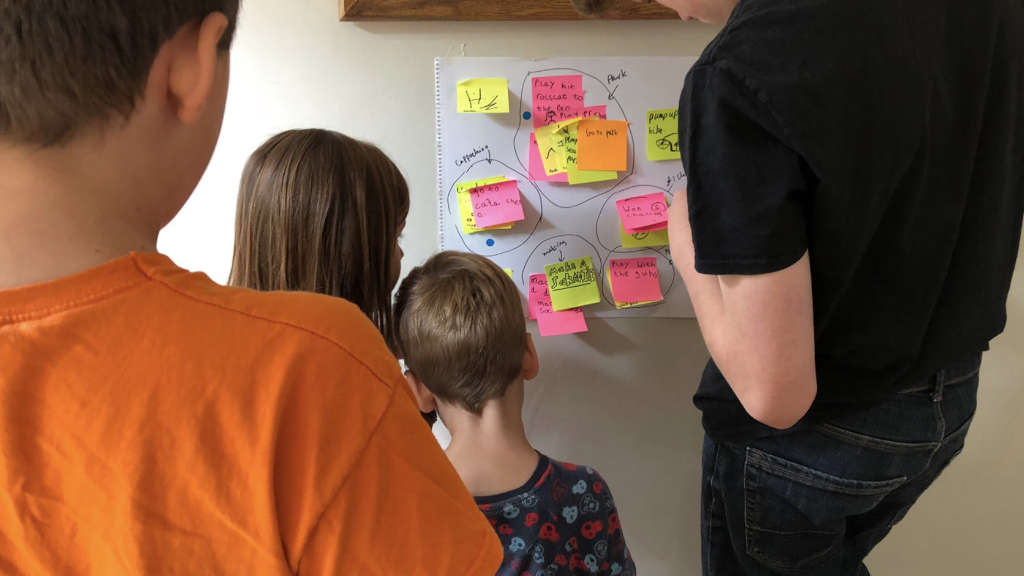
150,420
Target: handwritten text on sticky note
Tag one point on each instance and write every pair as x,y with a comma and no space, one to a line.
537,171
556,98
635,280
663,134
643,213
483,96
549,321
603,144
466,212
496,204
573,283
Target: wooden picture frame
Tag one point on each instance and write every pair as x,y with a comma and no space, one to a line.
362,10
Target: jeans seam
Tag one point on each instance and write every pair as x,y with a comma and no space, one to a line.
710,511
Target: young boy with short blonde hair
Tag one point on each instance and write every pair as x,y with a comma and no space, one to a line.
462,331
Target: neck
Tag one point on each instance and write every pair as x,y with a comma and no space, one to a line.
67,210
491,452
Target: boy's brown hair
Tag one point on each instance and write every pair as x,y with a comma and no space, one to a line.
65,64
320,212
461,328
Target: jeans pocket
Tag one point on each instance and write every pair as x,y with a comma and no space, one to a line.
796,515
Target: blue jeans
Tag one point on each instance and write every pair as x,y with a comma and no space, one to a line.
817,500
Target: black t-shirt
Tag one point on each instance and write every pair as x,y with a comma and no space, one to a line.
887,140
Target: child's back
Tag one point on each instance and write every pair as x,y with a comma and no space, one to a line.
151,421
462,332
562,521
155,422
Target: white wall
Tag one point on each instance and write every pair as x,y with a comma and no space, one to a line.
619,397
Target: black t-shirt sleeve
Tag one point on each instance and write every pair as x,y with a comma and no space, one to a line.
747,190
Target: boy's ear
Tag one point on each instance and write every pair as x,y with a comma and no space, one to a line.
192,58
425,399
531,363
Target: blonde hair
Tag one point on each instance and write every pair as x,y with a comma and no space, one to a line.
461,328
320,212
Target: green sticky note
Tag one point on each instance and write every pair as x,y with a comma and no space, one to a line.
663,134
644,239
466,211
510,273
483,96
573,284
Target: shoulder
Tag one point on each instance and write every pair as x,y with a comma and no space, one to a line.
283,321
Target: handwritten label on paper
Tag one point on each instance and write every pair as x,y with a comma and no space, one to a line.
635,280
663,134
496,204
596,112
556,99
483,96
573,283
643,213
603,144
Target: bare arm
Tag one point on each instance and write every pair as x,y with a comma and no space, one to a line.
759,329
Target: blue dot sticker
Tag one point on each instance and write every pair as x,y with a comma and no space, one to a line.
490,242
527,115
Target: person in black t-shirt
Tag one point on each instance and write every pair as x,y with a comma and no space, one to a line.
462,334
848,237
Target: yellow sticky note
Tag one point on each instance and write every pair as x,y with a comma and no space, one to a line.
573,284
644,239
510,273
483,96
466,205
554,142
663,134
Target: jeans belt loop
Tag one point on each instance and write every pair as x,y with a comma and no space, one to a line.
940,384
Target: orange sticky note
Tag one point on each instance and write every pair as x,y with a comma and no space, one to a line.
602,145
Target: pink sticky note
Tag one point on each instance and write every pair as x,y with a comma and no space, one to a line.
562,323
643,213
596,112
549,322
537,172
497,204
556,98
635,280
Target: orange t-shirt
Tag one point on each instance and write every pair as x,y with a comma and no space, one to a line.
152,422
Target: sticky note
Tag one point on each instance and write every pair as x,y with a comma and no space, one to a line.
550,322
635,280
556,98
553,143
496,204
596,112
509,273
483,96
537,172
466,211
577,176
603,144
650,239
663,134
643,213
627,305
572,284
